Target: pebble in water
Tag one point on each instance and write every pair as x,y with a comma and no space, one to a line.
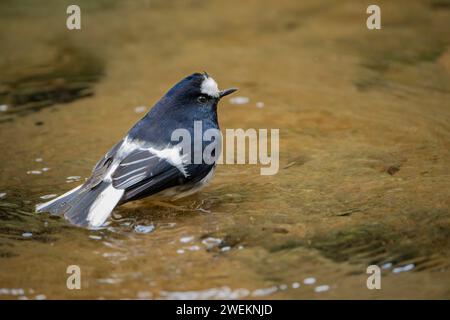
309,280
2,194
34,172
12,291
38,159
211,242
212,293
264,291
4,108
140,109
260,105
322,288
387,265
239,100
238,293
73,179
27,234
48,196
186,239
144,229
405,268
109,281
295,285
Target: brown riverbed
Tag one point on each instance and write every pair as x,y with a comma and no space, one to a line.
364,119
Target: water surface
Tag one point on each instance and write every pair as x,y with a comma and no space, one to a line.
364,149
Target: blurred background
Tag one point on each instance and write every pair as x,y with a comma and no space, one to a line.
364,148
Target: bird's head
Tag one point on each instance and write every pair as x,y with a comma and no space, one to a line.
198,90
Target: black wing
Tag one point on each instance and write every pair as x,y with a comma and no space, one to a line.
102,166
143,173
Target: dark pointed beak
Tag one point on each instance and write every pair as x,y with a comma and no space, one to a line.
226,92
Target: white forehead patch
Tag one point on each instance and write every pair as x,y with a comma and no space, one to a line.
209,87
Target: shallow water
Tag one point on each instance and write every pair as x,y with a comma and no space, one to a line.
364,149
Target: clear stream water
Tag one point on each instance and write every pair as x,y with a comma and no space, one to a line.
364,149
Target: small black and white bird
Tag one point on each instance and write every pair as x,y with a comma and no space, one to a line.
147,162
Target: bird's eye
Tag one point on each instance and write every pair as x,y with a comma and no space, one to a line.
202,99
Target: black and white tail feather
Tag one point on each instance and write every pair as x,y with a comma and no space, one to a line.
84,206
91,203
